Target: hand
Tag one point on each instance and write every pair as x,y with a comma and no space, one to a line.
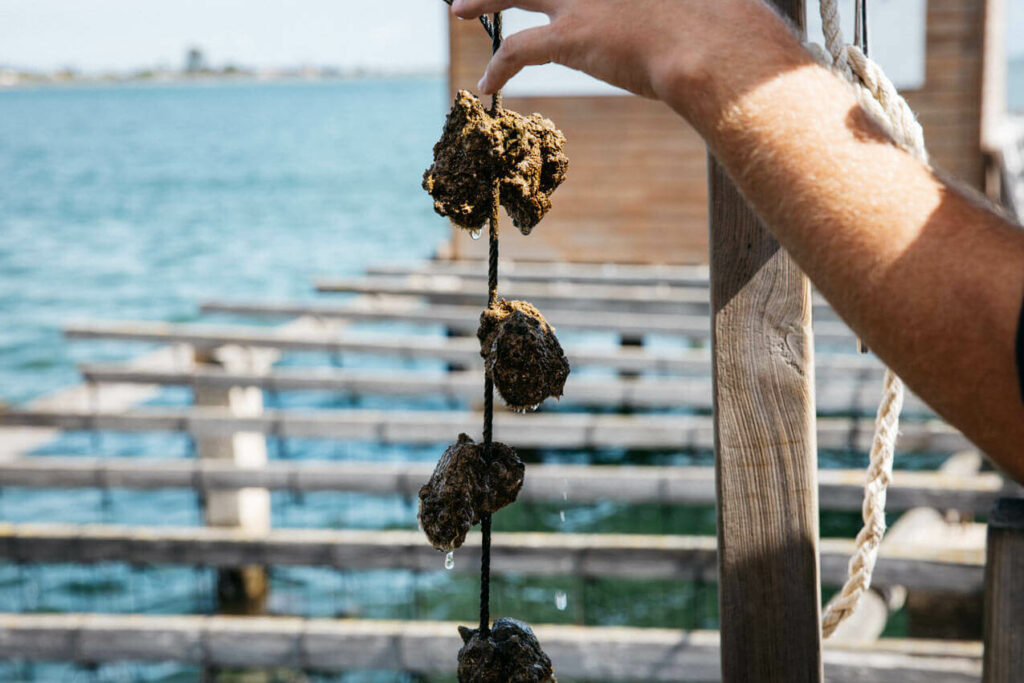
639,45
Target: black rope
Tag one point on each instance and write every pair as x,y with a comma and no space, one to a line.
492,299
485,22
860,29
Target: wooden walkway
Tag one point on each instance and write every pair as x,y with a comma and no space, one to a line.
631,392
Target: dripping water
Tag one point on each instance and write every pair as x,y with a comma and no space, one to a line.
475,234
449,561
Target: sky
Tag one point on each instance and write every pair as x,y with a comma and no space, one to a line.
120,35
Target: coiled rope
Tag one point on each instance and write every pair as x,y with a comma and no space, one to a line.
877,95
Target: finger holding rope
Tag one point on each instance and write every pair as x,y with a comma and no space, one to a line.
470,9
530,47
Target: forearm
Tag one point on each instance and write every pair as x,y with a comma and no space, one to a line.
930,281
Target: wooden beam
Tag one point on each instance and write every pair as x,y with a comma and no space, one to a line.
646,299
464,319
633,556
1004,593
539,430
579,273
765,448
462,351
595,653
840,489
836,397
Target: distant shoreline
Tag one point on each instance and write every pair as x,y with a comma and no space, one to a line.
177,80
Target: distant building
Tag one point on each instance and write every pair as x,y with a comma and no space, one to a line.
195,61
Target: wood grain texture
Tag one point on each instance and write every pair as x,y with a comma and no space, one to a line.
765,446
1004,593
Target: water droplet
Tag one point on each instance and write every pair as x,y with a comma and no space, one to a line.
561,513
561,601
449,561
475,234
565,489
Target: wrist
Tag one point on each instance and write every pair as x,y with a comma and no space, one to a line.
746,45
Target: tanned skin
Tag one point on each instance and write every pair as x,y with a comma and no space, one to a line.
932,281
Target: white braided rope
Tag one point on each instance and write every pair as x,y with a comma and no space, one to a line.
878,96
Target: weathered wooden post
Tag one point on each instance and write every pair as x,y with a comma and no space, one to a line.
1004,593
240,590
765,444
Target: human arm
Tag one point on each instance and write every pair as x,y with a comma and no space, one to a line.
932,281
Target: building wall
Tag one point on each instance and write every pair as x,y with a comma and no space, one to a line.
637,191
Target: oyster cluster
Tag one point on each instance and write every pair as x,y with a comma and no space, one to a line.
522,357
524,153
510,653
521,354
469,481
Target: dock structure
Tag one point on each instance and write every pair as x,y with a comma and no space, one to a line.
603,410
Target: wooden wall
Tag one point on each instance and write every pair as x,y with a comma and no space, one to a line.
637,189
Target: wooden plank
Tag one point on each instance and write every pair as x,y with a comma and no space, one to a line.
464,351
465,319
839,489
1004,593
537,430
593,653
581,273
650,299
633,556
833,397
765,448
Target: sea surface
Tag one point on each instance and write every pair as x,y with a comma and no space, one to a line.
140,202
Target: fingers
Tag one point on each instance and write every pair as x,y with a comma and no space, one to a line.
532,46
470,9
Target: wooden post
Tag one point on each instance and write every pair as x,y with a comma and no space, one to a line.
1004,593
240,590
765,445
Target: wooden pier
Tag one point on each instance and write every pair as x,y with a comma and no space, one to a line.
604,410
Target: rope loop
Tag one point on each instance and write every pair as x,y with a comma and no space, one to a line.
879,97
